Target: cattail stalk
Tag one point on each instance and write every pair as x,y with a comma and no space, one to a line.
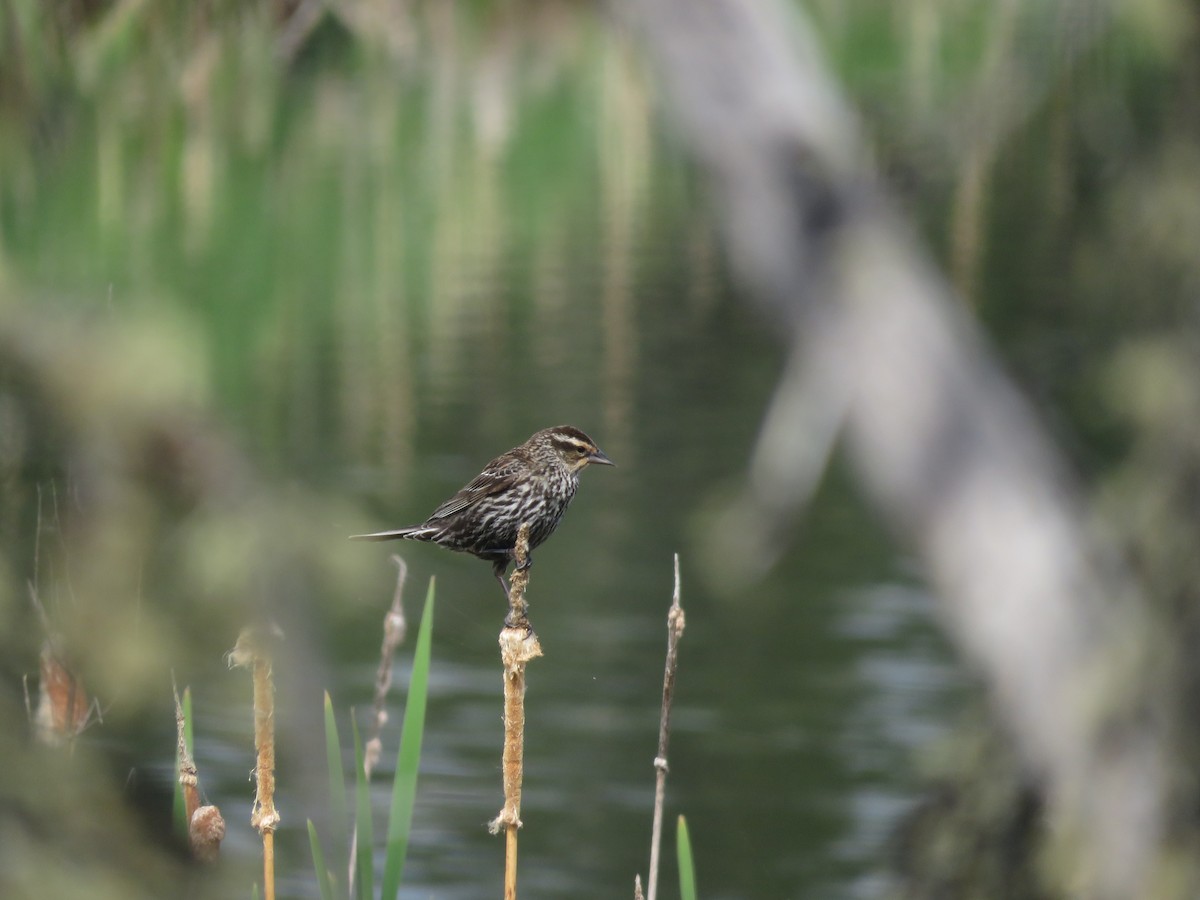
518,645
205,825
675,625
253,651
395,629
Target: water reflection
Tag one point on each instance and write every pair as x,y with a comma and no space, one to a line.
396,274
798,708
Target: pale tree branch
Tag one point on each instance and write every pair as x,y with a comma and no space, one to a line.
943,443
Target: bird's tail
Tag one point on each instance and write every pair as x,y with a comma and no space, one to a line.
413,533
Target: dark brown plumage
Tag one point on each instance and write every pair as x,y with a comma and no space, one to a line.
531,483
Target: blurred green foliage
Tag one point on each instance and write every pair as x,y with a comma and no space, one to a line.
213,213
216,220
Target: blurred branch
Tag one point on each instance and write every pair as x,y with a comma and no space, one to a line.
945,446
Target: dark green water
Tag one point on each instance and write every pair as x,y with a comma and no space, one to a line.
385,272
263,287
801,699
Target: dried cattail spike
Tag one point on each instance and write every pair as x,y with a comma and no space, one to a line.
205,833
64,709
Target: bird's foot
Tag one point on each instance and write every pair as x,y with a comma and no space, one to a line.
520,620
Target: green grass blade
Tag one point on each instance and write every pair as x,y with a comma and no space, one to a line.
178,809
687,869
366,837
324,879
337,783
408,760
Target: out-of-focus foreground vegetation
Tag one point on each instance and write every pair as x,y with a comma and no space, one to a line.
213,213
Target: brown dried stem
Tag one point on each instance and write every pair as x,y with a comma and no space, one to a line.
395,628
518,645
206,825
675,625
253,651
518,609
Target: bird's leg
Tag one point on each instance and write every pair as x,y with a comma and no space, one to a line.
498,568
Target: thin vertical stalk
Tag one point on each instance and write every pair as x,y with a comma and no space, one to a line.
518,645
253,651
675,625
408,757
203,825
395,629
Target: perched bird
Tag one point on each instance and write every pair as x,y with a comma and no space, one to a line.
531,483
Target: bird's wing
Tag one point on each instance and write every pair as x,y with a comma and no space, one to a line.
498,477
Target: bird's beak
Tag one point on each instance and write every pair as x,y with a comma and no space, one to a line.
599,458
